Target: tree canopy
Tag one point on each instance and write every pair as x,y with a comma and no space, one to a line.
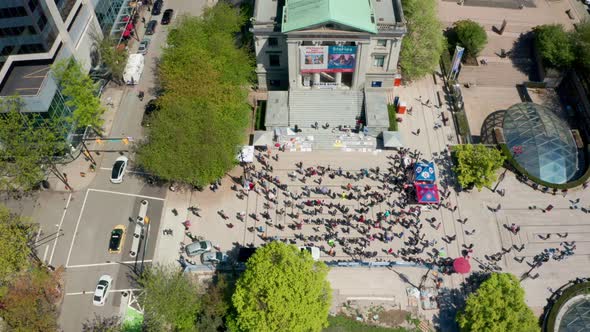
29,144
79,90
29,301
112,57
282,289
581,41
477,165
471,36
203,115
555,45
170,299
498,306
424,43
15,233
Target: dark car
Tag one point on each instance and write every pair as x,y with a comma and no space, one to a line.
150,108
117,239
150,28
167,17
157,9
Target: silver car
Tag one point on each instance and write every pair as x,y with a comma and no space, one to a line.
143,46
198,248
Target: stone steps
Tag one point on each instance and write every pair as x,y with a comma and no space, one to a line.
326,140
335,107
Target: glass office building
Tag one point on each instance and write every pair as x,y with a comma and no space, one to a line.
541,142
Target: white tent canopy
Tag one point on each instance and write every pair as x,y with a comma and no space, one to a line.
246,154
133,69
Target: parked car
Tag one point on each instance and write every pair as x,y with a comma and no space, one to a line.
151,27
213,258
102,290
151,107
117,239
167,17
143,46
198,248
313,251
119,168
157,8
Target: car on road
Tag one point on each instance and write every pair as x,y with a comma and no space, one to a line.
213,258
150,28
198,248
117,239
157,8
102,290
167,17
143,46
119,168
151,107
313,251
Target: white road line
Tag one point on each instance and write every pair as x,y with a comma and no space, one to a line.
105,264
63,216
76,229
126,194
45,254
90,292
126,172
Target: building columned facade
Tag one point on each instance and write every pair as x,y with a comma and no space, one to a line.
327,44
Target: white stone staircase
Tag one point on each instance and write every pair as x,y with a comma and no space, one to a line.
310,139
335,107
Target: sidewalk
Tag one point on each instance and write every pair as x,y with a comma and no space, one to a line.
78,172
168,246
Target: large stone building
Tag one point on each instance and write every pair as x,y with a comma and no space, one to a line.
327,61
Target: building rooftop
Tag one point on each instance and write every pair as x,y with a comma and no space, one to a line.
300,14
25,78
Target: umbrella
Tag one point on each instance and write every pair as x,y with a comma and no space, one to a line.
324,190
263,138
427,193
461,265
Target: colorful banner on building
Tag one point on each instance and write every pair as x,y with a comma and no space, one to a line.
342,58
327,59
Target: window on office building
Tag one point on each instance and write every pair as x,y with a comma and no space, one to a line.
42,21
379,61
273,42
381,42
33,4
274,60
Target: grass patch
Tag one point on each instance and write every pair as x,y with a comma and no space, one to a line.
260,115
463,124
391,110
341,323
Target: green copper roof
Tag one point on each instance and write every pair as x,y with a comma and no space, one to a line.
300,14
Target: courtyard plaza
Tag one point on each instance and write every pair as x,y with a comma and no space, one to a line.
474,224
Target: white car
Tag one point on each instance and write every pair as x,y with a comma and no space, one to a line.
119,169
102,290
314,251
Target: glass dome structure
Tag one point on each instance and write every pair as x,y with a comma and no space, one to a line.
541,142
577,316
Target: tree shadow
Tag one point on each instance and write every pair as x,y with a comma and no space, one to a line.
522,56
452,300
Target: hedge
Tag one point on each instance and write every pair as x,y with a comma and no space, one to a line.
392,117
568,293
510,159
260,115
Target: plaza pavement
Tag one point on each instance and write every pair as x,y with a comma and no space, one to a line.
380,285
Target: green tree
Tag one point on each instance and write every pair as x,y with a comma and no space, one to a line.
113,58
204,78
215,304
477,165
15,234
80,93
498,306
282,289
29,145
170,299
29,303
555,45
581,40
471,35
424,43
